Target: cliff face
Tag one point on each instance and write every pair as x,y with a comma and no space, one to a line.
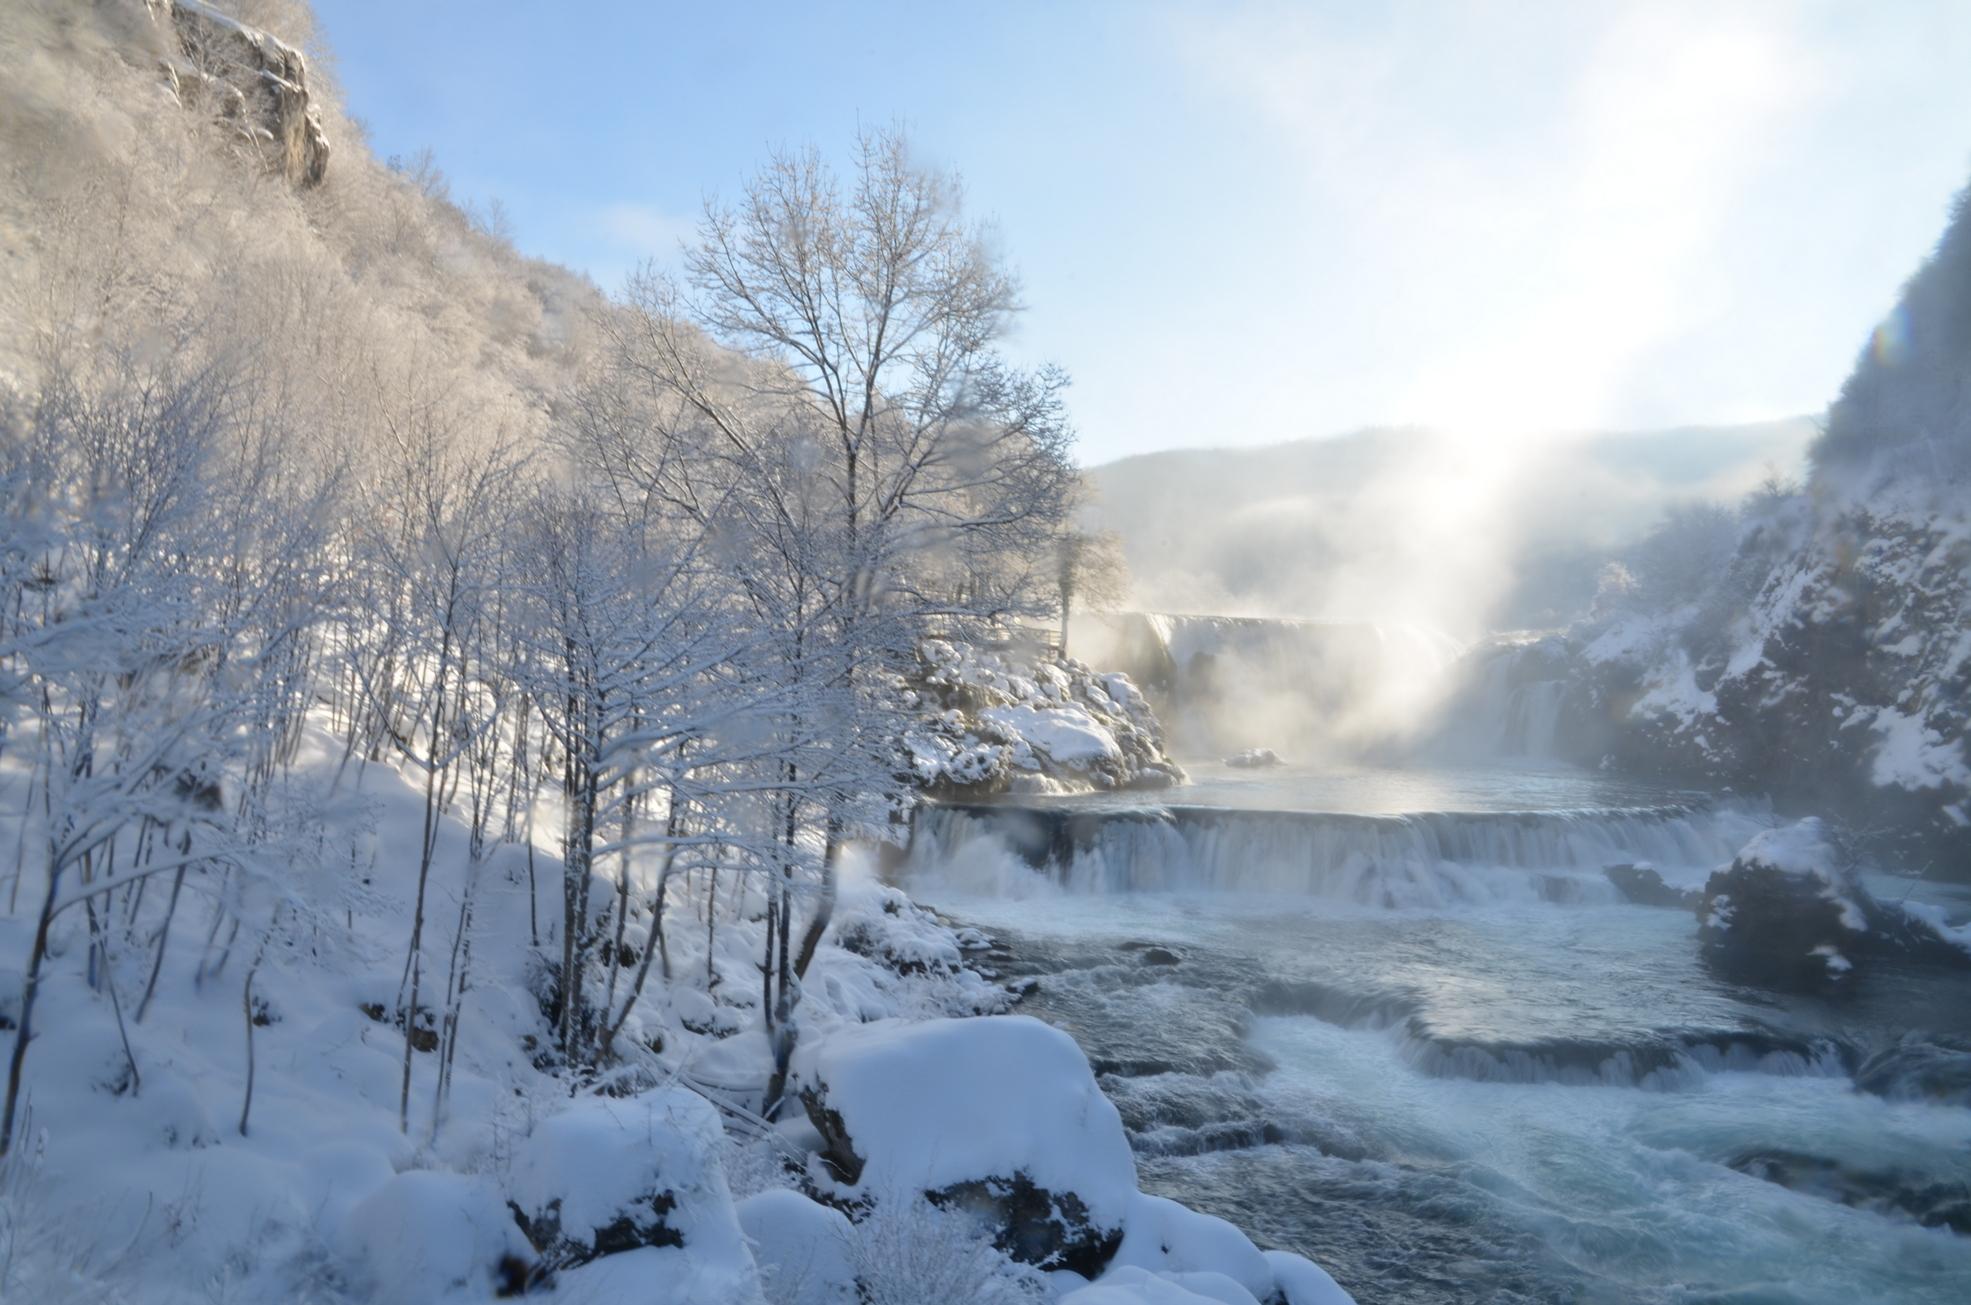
1841,688
244,77
1826,659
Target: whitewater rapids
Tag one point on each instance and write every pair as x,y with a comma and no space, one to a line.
1422,1040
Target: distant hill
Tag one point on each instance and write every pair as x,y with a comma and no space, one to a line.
1394,524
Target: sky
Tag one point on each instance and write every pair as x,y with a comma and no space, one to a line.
1246,223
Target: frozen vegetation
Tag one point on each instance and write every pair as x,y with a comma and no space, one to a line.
447,715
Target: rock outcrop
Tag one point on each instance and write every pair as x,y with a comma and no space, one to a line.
248,79
1813,647
1002,722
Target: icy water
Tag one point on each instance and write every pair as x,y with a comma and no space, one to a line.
1403,1025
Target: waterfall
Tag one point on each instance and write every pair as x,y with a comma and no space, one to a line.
1509,700
1224,683
1422,859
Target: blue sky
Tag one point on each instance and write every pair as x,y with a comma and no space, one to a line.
1244,223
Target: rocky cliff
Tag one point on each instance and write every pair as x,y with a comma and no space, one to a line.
247,78
1824,656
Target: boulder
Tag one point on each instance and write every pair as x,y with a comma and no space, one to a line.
1642,885
1300,1281
1785,914
1790,913
427,1237
605,1176
1163,1237
997,1116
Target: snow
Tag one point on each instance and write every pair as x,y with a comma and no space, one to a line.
802,1249
1672,691
1164,1237
424,1238
933,1104
651,1157
422,1215
1131,1285
1068,734
1912,755
1303,1282
658,1276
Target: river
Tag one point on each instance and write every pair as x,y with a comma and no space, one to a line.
1401,1022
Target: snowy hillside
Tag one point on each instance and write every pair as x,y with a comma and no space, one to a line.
441,778
1816,644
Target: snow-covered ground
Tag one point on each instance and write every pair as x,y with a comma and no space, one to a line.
145,1174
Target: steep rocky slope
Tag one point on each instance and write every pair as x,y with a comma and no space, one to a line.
1823,657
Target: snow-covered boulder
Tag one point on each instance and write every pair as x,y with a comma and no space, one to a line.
608,1175
1300,1281
1254,759
802,1249
1131,1285
426,1238
1790,913
999,1117
1785,914
1161,1236
992,722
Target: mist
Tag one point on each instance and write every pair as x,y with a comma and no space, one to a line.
1383,554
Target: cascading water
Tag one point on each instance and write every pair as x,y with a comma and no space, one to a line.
1423,859
1416,1033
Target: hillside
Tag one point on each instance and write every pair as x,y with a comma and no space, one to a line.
1816,644
448,718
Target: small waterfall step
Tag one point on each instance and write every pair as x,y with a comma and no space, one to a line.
1417,859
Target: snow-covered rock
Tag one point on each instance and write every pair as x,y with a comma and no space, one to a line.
1824,656
998,1116
1161,1236
1300,1281
1131,1285
1254,759
253,81
801,1248
1790,913
607,1175
992,722
427,1237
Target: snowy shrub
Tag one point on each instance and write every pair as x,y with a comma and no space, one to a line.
907,1252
